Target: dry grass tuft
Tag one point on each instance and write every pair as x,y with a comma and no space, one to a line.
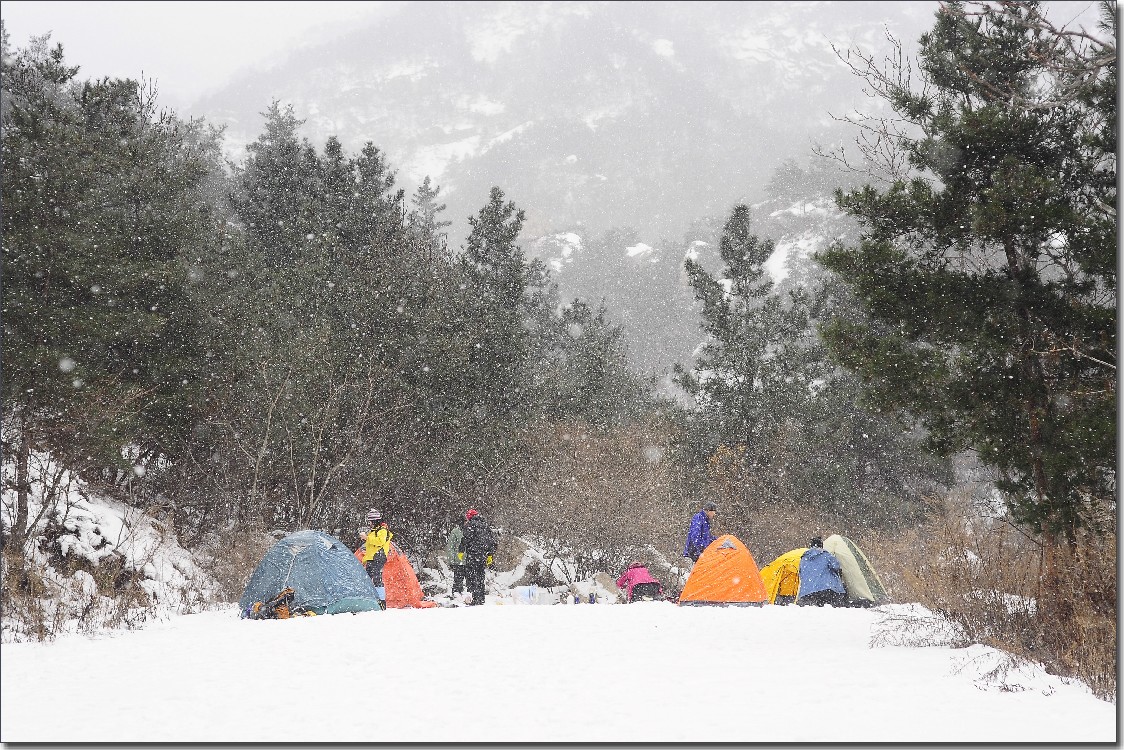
981,577
230,557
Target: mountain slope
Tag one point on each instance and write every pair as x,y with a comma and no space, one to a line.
645,286
589,115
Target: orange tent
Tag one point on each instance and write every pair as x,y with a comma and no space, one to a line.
725,574
402,587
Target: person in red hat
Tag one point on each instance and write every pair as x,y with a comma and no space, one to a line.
478,545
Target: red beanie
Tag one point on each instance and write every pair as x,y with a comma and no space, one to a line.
471,512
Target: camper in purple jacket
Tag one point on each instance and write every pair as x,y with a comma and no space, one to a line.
698,535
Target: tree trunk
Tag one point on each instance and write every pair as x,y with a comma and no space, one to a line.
1051,602
23,491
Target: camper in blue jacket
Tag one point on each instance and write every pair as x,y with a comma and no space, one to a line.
698,535
821,581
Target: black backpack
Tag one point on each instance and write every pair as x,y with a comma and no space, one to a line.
487,539
479,539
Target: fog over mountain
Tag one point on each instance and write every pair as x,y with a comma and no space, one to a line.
648,119
645,285
592,115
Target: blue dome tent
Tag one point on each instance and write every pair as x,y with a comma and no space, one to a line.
322,571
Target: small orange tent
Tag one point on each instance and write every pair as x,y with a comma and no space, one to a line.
402,587
725,574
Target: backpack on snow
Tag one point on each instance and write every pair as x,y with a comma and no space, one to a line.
276,608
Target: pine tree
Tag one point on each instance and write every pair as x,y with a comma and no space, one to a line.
742,372
992,309
503,283
332,332
105,208
988,277
855,459
774,416
424,218
355,361
584,371
272,198
746,378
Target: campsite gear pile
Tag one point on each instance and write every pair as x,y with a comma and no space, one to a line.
276,608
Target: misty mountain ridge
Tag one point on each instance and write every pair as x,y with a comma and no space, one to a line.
587,115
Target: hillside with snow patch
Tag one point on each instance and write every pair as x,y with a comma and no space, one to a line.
95,562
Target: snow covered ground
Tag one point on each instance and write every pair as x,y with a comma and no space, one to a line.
648,672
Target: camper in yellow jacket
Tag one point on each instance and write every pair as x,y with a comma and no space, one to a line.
376,551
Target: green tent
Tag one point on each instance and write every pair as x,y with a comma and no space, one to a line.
859,578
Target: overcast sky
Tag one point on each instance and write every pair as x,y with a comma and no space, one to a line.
188,47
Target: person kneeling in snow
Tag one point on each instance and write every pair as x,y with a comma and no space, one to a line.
478,545
820,577
638,583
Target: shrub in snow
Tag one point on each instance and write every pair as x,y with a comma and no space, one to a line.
90,562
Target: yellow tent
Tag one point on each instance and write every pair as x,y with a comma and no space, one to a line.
782,576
